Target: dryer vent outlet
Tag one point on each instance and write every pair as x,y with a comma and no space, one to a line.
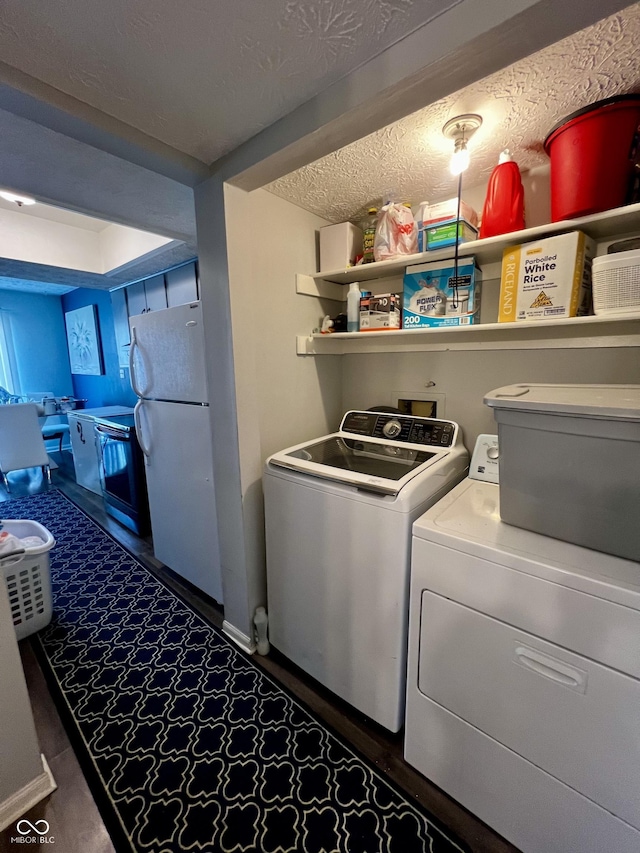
419,408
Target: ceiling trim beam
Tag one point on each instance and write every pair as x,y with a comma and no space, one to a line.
29,98
472,39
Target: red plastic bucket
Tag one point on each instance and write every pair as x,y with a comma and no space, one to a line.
593,156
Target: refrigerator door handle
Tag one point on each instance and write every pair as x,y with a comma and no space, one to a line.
132,372
138,427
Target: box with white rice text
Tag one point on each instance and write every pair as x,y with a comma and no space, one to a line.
547,279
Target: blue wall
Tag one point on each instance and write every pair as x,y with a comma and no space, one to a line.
110,389
39,337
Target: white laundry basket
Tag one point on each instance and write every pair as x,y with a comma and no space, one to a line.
28,578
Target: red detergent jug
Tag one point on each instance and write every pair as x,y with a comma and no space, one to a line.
504,203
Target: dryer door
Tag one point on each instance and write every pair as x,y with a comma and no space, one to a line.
568,715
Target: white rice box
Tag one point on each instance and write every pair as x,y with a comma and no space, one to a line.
433,296
547,279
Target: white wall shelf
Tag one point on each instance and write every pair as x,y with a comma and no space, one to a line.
576,332
601,331
617,223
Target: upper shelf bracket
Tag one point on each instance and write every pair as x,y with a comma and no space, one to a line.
310,286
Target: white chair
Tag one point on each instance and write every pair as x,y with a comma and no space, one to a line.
21,441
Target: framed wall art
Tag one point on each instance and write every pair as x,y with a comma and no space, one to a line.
83,341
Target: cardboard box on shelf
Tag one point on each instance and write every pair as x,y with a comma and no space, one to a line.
444,211
380,313
449,210
339,246
433,296
547,279
444,234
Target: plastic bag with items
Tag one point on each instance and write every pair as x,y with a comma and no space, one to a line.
396,233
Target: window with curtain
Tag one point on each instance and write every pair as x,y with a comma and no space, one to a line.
9,383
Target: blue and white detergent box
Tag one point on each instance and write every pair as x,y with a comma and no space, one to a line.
434,296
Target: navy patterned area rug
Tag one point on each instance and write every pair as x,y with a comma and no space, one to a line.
191,745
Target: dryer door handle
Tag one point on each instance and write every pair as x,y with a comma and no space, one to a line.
556,670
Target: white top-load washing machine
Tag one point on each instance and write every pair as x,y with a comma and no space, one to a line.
523,685
338,513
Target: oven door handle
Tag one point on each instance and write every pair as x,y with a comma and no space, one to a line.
138,426
116,434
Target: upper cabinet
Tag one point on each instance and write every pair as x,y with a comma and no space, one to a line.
182,284
148,295
121,324
174,287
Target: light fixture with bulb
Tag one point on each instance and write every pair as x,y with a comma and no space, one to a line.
460,129
17,199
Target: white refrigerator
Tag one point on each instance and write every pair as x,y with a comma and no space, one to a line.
167,365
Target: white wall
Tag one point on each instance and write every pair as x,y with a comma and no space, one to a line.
279,398
120,246
465,377
215,297
292,398
41,241
20,761
57,244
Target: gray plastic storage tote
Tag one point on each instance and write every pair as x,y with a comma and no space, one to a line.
570,462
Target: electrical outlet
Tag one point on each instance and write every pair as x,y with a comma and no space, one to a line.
122,373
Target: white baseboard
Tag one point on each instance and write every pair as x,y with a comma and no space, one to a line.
246,643
30,795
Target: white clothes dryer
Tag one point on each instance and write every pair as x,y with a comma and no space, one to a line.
523,682
338,514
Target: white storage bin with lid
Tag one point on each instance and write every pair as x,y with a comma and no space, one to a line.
339,246
570,462
28,577
615,281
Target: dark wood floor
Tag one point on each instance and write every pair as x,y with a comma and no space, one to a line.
71,812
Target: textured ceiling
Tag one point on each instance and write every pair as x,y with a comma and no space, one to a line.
204,75
520,104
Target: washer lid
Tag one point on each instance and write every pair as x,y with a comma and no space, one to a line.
374,466
601,401
378,451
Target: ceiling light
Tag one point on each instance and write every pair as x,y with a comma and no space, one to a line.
460,129
18,199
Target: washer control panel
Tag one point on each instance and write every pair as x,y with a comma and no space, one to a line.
392,428
484,462
400,428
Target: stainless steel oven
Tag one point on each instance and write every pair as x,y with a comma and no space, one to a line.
122,476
